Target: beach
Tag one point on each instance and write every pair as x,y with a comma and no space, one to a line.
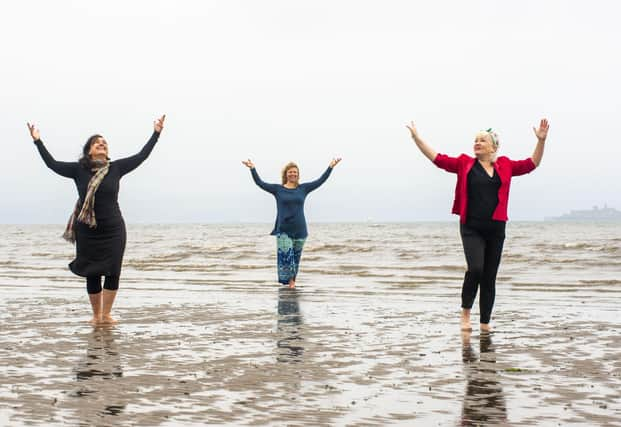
370,336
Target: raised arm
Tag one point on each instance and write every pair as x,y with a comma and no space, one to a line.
128,164
429,152
66,169
313,185
442,161
270,188
541,134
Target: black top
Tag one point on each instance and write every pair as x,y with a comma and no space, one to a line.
482,192
106,197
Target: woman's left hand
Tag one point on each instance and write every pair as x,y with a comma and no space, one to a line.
542,132
158,125
335,162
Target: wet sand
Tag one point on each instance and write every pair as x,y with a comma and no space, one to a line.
256,354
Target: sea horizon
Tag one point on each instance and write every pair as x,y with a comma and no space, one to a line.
456,220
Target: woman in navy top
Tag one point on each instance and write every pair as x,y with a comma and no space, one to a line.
290,227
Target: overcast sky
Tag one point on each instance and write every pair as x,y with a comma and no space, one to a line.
276,81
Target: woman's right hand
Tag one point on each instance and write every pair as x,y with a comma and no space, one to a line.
429,152
34,132
248,163
413,132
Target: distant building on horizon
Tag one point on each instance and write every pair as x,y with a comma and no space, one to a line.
594,214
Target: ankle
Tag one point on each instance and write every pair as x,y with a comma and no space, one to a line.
485,327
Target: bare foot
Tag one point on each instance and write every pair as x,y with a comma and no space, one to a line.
485,327
465,320
106,319
94,321
291,284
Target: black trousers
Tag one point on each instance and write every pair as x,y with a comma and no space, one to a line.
93,284
482,241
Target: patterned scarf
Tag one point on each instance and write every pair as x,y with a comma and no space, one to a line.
87,214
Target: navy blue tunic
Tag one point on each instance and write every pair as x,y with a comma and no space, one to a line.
290,204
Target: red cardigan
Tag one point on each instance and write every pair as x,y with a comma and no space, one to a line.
505,168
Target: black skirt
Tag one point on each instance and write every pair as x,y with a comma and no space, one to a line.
99,250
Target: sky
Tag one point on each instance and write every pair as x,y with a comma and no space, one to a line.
307,81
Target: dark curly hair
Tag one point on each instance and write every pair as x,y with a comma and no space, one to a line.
85,159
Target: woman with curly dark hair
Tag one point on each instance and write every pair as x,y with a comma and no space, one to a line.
96,225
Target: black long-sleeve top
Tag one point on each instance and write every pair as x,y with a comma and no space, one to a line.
106,197
482,192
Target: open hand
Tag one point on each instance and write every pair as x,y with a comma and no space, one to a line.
158,125
413,131
248,163
542,132
335,162
34,132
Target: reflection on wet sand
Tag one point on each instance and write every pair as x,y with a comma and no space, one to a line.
484,400
290,348
98,391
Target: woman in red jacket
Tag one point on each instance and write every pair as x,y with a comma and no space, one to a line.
481,198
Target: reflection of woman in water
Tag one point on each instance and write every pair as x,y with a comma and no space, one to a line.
289,323
102,356
290,228
98,375
484,401
481,199
96,226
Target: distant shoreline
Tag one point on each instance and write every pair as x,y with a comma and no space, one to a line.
595,214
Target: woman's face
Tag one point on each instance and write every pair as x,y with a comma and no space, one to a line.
483,145
292,175
99,149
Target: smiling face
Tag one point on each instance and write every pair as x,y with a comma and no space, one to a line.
484,146
293,174
290,174
99,149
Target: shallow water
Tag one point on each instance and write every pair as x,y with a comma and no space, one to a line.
370,336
